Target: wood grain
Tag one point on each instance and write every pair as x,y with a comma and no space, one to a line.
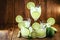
9,9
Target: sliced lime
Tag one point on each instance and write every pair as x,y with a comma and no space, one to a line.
41,33
36,26
35,15
33,34
19,18
54,28
30,5
51,21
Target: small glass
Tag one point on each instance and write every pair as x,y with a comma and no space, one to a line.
27,22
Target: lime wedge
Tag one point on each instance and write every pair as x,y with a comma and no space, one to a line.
54,28
19,18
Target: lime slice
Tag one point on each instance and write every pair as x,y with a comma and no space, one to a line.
33,34
36,26
25,32
35,15
54,28
19,18
41,33
51,21
30,5
21,24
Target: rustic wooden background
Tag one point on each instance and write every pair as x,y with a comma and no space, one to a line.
9,9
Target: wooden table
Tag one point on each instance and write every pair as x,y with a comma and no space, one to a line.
56,36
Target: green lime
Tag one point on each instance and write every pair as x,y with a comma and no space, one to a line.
36,26
30,5
49,32
19,18
51,21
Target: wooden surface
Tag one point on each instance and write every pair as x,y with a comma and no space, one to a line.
12,35
56,36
